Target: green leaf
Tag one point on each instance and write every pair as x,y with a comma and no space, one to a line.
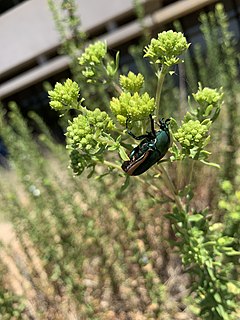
225,241
209,243
217,297
91,172
220,310
212,164
208,110
125,184
206,122
195,217
171,216
188,116
231,252
211,274
122,154
216,114
206,142
117,62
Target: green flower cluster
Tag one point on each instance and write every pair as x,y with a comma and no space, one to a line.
64,96
208,96
131,83
136,106
193,134
84,131
166,48
92,58
85,138
209,101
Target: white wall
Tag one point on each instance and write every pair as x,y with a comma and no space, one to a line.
28,30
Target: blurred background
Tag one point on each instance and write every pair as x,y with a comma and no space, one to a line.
80,248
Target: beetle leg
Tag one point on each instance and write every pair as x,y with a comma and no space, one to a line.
152,126
167,121
138,137
133,135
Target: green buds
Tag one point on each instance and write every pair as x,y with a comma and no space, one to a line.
167,48
192,134
132,83
97,65
84,131
93,54
92,59
64,96
192,137
209,102
136,106
86,138
131,104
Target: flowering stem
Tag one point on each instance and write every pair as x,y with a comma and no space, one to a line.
160,75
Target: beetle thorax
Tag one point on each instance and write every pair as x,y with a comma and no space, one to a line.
162,140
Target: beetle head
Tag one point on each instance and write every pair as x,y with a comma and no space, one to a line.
163,124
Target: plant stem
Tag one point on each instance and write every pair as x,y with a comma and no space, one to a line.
160,75
151,186
117,87
191,171
112,164
171,187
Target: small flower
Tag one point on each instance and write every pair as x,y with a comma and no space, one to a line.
84,130
94,53
64,96
167,48
192,134
92,58
209,101
131,83
136,106
85,138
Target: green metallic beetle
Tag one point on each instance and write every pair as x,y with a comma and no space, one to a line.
153,147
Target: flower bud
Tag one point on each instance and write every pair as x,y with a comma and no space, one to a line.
209,102
167,48
64,96
136,106
192,134
84,141
131,83
92,58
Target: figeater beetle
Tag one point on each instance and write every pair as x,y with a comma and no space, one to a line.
153,147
